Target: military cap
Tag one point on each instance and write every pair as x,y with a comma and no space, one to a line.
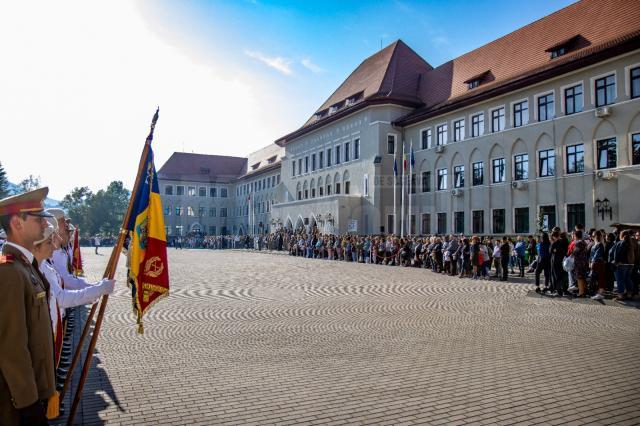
47,233
57,213
31,202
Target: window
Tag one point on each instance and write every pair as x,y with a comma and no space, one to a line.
202,212
313,162
212,212
522,220
338,154
413,183
337,187
306,164
347,187
212,230
442,223
391,144
442,179
179,211
190,211
473,84
547,217
426,181
320,190
607,153
321,160
558,52
390,223
273,181
328,189
299,166
179,190
497,120
426,224
168,190
575,158
179,229
547,163
441,134
458,222
277,179
328,157
498,221
573,101
306,193
499,170
477,125
478,173
202,191
458,130
478,222
223,212
191,191
313,193
545,107
605,90
366,185
520,113
167,210
356,149
635,148
223,192
346,152
425,138
521,170
458,177
299,195
635,82
575,215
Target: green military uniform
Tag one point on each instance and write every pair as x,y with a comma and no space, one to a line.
26,338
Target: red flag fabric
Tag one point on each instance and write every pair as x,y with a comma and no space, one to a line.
77,256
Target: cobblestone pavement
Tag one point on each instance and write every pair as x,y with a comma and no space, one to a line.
251,338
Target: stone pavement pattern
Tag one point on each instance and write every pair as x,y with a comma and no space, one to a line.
253,338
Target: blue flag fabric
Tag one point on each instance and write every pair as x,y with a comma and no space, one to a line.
395,167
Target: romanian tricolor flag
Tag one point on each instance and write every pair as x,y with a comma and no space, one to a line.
148,272
76,263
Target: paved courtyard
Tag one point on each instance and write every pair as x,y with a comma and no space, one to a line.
255,338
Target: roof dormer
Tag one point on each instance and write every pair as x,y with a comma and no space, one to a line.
477,79
565,46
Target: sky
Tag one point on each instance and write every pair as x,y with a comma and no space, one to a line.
80,80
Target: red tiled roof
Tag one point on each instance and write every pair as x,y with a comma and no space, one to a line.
596,24
394,74
202,168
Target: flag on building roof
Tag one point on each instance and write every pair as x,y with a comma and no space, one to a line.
148,273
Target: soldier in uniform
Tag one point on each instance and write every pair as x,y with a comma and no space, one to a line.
26,341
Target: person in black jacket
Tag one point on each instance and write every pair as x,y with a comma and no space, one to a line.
505,252
559,248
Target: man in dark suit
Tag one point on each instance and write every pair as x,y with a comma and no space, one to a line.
26,341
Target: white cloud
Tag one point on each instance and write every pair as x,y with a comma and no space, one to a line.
81,80
311,66
278,63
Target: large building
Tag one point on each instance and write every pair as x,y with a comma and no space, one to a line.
538,128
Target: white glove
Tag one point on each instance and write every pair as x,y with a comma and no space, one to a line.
107,286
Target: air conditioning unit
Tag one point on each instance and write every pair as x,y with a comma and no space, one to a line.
604,111
456,192
605,175
518,184
439,149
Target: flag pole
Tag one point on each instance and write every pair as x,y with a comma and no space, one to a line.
410,186
110,271
402,195
395,187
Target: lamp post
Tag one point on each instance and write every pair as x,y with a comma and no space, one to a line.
603,207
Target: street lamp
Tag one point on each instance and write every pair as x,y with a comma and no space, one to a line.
604,207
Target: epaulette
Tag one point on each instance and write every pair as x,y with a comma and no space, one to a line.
6,258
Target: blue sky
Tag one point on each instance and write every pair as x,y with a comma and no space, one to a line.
80,80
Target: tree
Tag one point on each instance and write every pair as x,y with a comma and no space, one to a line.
29,184
108,207
78,204
4,183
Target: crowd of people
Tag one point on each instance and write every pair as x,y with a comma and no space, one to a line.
580,264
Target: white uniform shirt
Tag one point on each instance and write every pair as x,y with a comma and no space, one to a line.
60,258
65,298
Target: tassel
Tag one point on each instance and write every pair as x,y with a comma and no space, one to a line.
53,406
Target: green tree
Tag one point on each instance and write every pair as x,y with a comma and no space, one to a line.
4,183
29,184
108,207
78,204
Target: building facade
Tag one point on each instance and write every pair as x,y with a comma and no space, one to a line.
538,128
